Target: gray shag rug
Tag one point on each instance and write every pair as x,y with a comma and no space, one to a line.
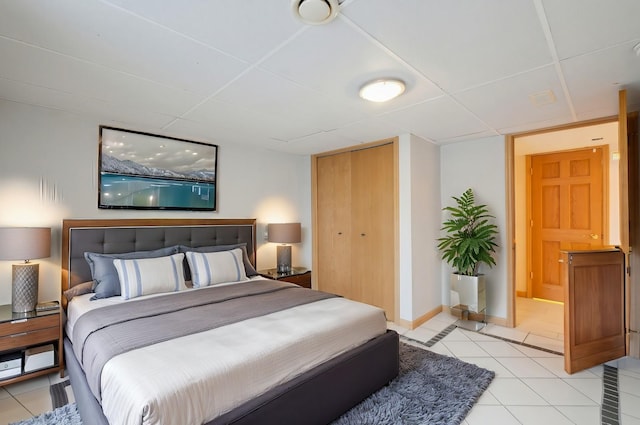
431,389
65,415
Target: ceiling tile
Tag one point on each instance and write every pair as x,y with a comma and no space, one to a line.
466,137
609,71
369,130
98,33
246,29
127,115
436,119
337,60
88,80
581,26
506,103
221,136
535,125
318,143
457,43
261,91
224,115
36,95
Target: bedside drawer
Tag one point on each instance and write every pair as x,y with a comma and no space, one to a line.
303,280
25,339
27,325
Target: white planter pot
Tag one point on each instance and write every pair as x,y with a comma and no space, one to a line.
468,292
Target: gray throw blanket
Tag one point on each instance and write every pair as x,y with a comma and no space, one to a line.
101,334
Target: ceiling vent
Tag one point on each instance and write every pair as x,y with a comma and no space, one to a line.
315,12
542,98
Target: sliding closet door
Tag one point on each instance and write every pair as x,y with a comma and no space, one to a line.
333,220
372,215
354,235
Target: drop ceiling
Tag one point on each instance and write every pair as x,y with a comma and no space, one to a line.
246,72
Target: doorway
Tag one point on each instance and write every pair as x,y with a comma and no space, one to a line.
542,320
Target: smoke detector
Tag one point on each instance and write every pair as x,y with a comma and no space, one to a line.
315,12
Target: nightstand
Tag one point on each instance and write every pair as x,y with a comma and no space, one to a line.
298,275
20,332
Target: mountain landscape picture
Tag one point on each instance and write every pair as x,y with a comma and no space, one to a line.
147,171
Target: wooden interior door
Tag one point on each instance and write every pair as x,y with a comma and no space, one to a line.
599,286
372,206
594,312
567,213
333,220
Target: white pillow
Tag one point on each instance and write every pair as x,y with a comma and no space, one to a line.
146,276
211,268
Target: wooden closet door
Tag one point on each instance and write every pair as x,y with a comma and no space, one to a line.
372,207
333,219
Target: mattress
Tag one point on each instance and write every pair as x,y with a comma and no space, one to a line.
195,378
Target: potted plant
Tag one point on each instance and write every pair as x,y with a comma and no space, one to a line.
470,240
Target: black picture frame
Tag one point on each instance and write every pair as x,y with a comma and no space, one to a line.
145,171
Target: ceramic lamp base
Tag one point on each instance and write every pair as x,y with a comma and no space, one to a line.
25,288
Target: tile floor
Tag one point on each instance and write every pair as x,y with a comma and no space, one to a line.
539,323
27,399
530,387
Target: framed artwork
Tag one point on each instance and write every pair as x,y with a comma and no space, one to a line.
151,172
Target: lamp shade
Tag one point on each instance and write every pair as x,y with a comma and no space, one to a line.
25,243
284,232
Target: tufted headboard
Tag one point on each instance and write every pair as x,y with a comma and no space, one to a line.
126,235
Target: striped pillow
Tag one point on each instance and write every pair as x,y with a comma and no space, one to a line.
150,275
212,268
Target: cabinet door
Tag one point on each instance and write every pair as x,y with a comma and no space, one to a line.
372,215
594,330
333,218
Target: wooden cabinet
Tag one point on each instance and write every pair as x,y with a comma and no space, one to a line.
21,331
355,225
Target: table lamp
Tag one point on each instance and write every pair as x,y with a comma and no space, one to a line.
284,233
24,243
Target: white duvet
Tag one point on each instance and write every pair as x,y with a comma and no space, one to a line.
193,379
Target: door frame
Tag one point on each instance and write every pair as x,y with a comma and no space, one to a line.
511,208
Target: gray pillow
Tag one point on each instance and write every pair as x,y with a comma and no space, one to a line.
104,273
79,289
248,267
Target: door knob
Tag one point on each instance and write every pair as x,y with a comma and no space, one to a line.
594,236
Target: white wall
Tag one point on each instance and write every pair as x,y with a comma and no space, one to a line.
48,172
479,165
419,169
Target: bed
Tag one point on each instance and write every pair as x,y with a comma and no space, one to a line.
276,354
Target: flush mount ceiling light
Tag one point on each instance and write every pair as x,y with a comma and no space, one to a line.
382,90
315,12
